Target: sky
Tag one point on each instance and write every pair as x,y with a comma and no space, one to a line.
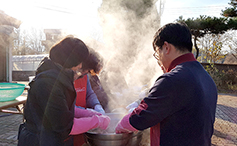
191,9
80,16
77,16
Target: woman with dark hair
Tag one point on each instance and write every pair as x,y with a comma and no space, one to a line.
49,110
95,65
87,96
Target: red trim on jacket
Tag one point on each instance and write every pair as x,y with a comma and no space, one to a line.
142,106
181,59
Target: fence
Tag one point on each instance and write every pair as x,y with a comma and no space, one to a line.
224,67
24,75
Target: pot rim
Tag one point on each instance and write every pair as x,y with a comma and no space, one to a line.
109,136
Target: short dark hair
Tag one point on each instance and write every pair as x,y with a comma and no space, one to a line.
69,52
177,34
94,61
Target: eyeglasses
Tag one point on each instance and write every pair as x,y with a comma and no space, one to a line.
156,56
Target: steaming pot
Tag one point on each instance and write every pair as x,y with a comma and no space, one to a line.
113,139
108,137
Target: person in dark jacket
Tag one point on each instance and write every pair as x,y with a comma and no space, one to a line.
180,107
86,96
89,98
96,65
49,110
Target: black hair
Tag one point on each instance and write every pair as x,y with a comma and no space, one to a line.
69,52
177,34
94,61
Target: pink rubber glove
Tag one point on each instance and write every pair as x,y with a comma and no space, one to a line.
124,126
80,113
81,125
103,122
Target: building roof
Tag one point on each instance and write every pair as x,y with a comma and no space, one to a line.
8,20
22,58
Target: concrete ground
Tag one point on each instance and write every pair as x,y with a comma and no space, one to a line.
225,127
225,133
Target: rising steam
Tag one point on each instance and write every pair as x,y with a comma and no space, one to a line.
128,30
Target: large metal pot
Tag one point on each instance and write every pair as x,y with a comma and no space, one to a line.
108,137
113,139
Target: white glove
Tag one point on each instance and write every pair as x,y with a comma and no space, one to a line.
143,93
99,109
132,106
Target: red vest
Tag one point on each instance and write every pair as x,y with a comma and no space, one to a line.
80,87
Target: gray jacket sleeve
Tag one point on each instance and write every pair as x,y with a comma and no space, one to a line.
91,98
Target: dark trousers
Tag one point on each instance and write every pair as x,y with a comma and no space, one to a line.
29,138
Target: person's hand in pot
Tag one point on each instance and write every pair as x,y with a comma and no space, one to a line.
82,125
124,126
103,122
81,112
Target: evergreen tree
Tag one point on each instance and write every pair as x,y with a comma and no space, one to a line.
231,11
208,25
